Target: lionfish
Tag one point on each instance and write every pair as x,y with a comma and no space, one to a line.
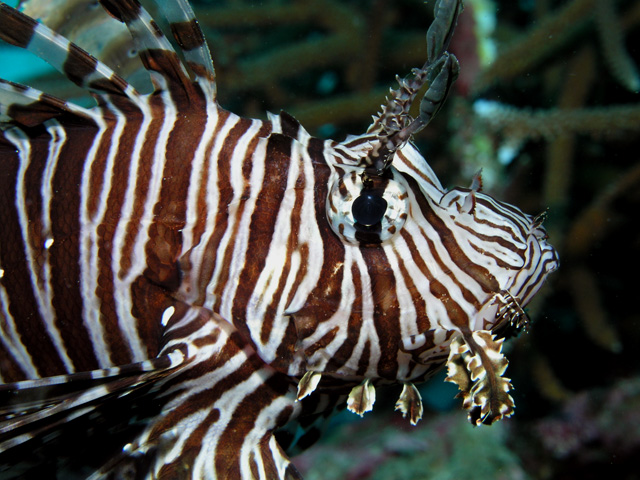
185,293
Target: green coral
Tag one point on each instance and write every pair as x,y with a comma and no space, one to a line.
445,448
462,452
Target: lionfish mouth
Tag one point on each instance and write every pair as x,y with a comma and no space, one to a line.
511,312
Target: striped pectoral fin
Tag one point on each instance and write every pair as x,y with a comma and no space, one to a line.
476,364
32,408
217,415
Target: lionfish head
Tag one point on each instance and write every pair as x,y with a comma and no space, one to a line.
449,272
436,273
509,245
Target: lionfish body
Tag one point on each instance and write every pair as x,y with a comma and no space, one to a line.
193,284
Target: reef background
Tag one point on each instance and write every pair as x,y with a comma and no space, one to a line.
547,105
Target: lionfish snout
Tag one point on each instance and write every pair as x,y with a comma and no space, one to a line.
541,258
548,253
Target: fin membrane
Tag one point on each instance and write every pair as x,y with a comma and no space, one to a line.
33,408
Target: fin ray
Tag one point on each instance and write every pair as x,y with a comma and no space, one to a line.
155,51
189,36
30,107
76,64
32,408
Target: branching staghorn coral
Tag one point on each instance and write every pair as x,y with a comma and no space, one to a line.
521,124
612,40
556,30
572,82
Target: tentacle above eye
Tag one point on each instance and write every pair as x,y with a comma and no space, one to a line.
393,125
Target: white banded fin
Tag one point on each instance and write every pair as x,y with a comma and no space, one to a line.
308,383
410,403
361,398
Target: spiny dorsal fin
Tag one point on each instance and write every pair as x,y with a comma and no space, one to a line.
155,51
186,31
77,65
31,107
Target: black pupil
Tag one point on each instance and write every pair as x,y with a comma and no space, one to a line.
368,209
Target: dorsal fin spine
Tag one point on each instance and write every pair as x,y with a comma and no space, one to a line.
192,42
31,107
76,64
156,53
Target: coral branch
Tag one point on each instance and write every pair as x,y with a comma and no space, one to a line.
523,54
615,55
613,121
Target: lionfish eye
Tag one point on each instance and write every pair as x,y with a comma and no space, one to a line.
367,214
368,209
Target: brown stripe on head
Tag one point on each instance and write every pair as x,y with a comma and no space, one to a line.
456,313
485,279
418,302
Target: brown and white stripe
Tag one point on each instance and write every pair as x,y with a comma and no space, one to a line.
157,248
